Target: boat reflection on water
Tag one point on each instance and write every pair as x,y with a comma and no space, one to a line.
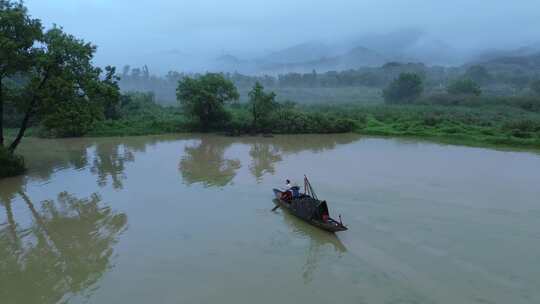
319,243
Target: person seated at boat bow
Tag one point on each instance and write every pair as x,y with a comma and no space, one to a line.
288,185
287,195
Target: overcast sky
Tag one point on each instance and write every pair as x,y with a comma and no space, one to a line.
125,29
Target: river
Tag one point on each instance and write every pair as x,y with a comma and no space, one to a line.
187,219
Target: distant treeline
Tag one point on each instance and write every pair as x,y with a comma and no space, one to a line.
495,79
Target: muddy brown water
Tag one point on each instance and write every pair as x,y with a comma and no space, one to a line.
186,219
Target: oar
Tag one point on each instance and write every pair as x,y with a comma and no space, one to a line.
276,207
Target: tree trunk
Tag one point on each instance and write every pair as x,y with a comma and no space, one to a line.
24,126
1,113
28,115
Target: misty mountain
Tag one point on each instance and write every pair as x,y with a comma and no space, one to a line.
411,45
527,62
309,51
496,54
365,51
362,51
353,59
389,44
229,63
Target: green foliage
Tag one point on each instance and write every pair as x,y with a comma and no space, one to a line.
293,121
488,124
405,89
134,127
55,81
71,119
139,114
535,87
289,120
478,74
522,128
105,92
262,105
139,104
73,96
527,103
204,98
51,77
10,165
464,87
18,33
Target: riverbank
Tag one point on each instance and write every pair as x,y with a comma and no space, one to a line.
494,127
480,124
466,136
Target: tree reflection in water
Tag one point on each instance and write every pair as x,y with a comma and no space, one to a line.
264,156
205,163
110,160
111,157
63,253
266,152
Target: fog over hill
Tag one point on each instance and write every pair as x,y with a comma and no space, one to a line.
256,36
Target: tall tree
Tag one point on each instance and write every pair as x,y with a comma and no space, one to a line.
18,34
204,98
64,87
262,104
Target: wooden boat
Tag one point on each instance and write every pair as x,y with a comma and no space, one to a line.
309,208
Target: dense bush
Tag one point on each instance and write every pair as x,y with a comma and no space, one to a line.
464,87
141,115
295,121
72,119
527,103
291,121
405,89
10,165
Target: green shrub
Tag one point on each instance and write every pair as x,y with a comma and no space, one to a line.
10,165
71,119
522,126
431,120
464,87
405,89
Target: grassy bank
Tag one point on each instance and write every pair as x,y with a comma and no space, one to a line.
499,125
489,122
